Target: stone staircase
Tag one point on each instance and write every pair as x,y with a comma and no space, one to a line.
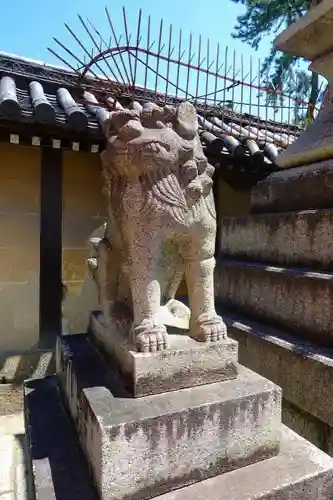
274,282
14,369
13,463
89,438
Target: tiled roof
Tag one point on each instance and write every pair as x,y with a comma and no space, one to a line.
35,93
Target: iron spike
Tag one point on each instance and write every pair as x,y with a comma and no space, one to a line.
168,62
117,44
128,44
111,54
198,72
188,67
158,54
62,60
180,56
217,70
138,40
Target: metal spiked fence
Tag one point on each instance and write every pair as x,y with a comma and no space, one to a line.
165,66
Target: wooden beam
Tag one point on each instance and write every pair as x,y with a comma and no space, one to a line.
50,282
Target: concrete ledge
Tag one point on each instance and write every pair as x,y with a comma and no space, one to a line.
11,399
308,426
57,469
299,472
299,188
186,363
302,369
15,368
298,300
13,470
291,238
172,439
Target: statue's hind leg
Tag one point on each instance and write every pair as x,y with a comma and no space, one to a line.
147,333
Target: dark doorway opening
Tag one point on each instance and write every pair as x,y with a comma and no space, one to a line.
50,284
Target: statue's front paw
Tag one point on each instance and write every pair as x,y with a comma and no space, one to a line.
149,337
209,328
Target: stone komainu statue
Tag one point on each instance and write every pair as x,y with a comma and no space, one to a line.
161,225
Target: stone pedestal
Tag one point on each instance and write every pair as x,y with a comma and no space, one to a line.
186,363
222,440
140,448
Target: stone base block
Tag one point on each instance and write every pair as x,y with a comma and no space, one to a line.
298,300
16,368
140,448
299,188
299,472
296,366
186,363
57,469
300,238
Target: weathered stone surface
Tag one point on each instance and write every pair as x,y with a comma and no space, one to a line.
7,466
307,426
11,399
186,363
299,472
172,439
161,224
57,469
315,143
300,188
300,238
301,368
296,299
13,470
310,37
16,368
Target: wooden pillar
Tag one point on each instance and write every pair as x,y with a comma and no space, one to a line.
50,246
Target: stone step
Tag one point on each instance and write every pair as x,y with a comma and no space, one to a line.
299,188
12,459
294,364
11,399
171,439
57,469
157,372
16,368
299,472
291,238
298,300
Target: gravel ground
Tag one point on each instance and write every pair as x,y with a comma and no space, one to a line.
11,399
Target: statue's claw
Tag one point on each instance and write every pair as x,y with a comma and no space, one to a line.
209,328
150,337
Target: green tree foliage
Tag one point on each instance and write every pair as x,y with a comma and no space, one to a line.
280,71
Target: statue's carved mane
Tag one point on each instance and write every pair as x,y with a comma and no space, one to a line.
178,177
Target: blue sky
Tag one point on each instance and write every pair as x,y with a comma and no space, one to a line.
28,31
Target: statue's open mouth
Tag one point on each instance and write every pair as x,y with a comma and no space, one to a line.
140,146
